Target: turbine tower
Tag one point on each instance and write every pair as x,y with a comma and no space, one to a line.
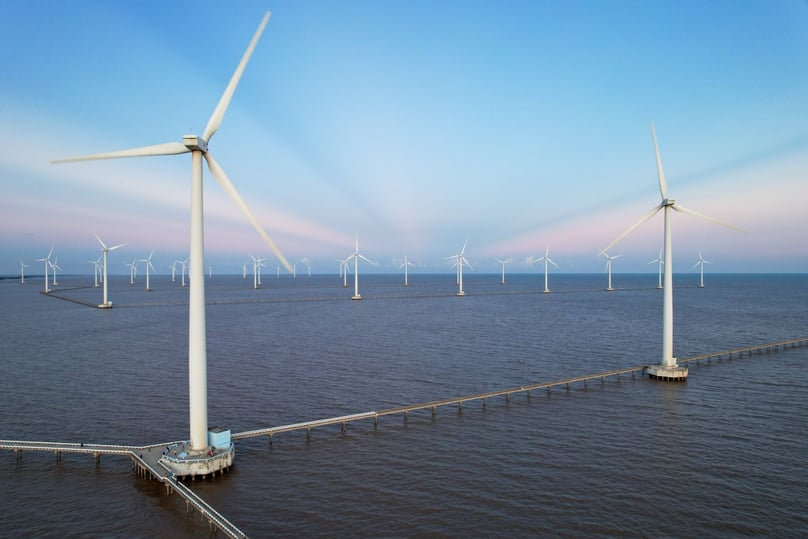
193,459
667,368
609,268
405,265
661,262
547,260
22,271
503,262
701,263
460,261
356,256
147,260
105,250
46,260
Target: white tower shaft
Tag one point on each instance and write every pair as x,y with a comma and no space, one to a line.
667,304
197,345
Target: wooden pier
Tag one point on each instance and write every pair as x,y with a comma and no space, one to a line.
145,459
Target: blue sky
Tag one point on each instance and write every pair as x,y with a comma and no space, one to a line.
416,125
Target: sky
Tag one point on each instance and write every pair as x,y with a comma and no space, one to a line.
413,126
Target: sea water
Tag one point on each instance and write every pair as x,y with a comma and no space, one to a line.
724,454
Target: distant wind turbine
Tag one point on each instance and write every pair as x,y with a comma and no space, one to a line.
503,262
107,304
668,368
55,266
22,272
609,268
183,269
132,271
660,261
197,345
173,268
96,270
46,260
405,265
147,260
547,260
356,256
460,261
701,263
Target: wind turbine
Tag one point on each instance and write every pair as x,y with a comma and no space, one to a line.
257,263
609,268
701,263
173,268
22,272
668,368
132,271
459,262
547,260
197,345
107,304
54,266
148,265
183,268
661,262
356,256
96,269
343,272
244,271
405,265
46,260
503,262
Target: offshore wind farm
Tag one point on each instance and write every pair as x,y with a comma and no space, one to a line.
437,342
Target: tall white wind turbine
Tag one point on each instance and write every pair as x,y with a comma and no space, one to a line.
609,268
107,304
547,260
659,260
356,256
460,261
668,368
197,146
46,260
147,260
701,263
405,265
22,271
173,268
503,262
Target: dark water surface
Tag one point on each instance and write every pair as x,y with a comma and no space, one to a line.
723,455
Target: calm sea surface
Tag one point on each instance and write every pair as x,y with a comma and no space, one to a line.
723,455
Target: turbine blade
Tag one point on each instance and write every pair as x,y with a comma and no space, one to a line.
169,148
227,185
99,241
550,260
663,185
218,113
688,211
116,247
633,227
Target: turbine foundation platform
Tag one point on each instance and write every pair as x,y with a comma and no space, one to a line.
105,305
183,461
669,374
356,297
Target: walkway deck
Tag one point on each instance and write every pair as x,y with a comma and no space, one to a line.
145,459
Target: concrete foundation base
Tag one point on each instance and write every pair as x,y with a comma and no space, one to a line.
182,461
670,374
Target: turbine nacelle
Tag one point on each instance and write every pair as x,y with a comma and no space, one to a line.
195,143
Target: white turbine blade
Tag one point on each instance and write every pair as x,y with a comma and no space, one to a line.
688,211
218,114
633,228
694,266
169,148
663,185
104,247
550,260
227,185
463,250
116,247
363,257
